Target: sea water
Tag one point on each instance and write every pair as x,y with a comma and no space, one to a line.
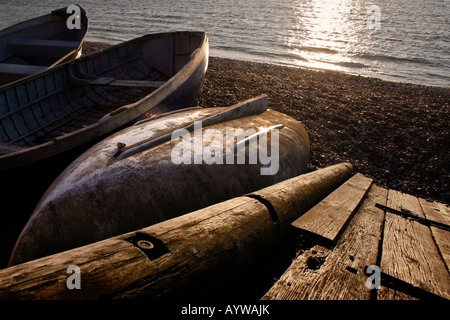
401,40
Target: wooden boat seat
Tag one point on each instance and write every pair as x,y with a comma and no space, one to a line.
20,69
42,48
136,83
113,82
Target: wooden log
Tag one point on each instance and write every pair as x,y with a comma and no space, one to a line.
337,274
328,219
178,257
287,210
409,252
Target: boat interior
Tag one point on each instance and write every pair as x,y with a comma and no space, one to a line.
37,44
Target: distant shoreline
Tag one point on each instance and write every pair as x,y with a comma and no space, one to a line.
395,133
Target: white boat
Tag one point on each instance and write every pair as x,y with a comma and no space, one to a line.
153,171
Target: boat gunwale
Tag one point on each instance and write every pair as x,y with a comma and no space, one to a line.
47,18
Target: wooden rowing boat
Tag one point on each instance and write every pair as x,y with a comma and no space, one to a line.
134,178
82,100
40,43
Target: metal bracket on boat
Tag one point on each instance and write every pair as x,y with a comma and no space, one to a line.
410,215
151,246
250,107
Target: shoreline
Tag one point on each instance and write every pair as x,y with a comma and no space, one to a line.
394,132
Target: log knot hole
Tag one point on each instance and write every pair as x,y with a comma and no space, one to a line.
314,262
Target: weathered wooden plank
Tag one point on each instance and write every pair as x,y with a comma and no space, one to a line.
436,212
444,209
337,274
179,256
327,219
387,293
409,252
295,283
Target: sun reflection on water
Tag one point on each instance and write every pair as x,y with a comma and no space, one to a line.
325,35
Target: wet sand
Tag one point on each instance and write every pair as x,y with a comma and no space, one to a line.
395,133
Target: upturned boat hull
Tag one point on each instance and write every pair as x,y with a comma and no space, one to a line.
163,168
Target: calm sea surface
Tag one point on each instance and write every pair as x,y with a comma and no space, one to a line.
397,40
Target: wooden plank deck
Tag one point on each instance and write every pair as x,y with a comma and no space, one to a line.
413,256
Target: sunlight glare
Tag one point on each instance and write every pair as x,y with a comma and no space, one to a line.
331,34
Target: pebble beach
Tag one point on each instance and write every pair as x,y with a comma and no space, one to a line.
395,133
